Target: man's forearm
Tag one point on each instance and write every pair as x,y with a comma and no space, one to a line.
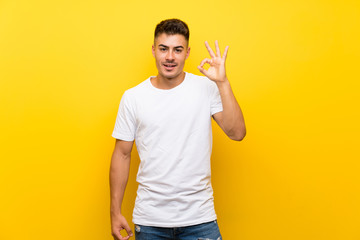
233,119
119,173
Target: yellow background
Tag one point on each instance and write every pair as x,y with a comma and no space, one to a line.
293,66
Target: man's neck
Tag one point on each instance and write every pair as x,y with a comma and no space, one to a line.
167,83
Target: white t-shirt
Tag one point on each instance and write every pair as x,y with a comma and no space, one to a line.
173,136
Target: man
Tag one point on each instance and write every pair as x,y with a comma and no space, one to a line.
169,117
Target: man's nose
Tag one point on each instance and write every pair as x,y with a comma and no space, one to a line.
170,55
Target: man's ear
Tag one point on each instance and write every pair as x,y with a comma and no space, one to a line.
187,53
153,50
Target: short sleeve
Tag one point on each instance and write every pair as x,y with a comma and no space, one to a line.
215,99
125,123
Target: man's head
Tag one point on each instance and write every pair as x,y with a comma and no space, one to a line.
170,47
172,27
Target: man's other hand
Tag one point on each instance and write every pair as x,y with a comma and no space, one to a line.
118,223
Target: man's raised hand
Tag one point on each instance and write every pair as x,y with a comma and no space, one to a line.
216,71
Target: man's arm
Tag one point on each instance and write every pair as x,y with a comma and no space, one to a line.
119,173
231,119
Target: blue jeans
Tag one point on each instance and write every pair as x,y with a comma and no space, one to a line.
204,231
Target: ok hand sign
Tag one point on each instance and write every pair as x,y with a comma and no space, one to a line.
216,72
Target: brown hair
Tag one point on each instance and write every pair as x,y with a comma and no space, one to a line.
171,27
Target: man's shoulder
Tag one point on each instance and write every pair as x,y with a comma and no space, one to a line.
195,77
202,81
138,89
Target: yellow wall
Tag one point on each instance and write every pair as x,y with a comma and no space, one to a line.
294,68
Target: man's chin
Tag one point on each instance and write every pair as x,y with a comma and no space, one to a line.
170,75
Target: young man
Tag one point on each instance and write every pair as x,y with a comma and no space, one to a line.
169,117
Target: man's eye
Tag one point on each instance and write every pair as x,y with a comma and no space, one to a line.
178,50
162,49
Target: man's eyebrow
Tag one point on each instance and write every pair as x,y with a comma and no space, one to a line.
162,45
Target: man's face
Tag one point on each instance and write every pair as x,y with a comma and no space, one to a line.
170,52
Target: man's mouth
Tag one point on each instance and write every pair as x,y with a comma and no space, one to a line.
169,66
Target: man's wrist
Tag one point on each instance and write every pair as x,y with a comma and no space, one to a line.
223,83
115,211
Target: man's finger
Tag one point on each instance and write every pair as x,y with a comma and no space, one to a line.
121,237
212,54
117,235
202,70
218,54
225,52
128,230
206,60
124,238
